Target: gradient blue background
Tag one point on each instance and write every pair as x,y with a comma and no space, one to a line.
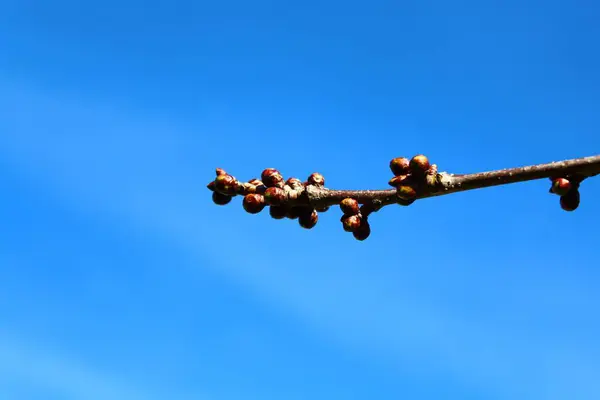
119,279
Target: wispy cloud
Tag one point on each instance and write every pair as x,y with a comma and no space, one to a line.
365,313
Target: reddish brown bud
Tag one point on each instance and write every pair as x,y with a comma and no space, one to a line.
419,164
294,212
211,186
220,199
253,203
294,183
405,192
255,182
561,186
349,206
403,202
363,231
272,178
275,196
570,201
220,171
308,218
278,212
400,166
351,223
397,180
316,179
226,184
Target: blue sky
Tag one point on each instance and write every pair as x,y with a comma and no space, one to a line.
120,280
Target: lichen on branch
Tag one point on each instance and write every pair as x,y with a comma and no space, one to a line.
413,179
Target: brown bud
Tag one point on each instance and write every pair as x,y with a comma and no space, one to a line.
220,199
253,203
220,171
275,196
278,212
403,202
308,218
570,201
419,164
316,179
561,186
272,178
349,206
294,183
226,184
363,231
397,180
405,192
351,223
400,166
255,182
294,212
211,186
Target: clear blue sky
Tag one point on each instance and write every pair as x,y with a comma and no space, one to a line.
120,280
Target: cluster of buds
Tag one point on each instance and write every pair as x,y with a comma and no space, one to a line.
411,177
270,190
568,190
354,220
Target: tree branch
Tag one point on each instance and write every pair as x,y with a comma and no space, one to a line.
413,179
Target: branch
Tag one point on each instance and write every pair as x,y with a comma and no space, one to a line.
413,179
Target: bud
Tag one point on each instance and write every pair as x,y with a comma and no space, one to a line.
570,201
211,186
278,212
220,199
226,184
351,223
363,232
220,171
272,178
316,179
253,203
275,196
561,186
255,182
403,202
308,218
349,206
397,180
294,212
400,166
419,164
294,183
405,192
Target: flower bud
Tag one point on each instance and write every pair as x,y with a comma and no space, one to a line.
397,180
351,223
278,212
211,186
349,206
403,202
316,179
561,186
220,171
294,212
405,192
570,201
400,166
272,178
253,203
294,183
308,218
419,164
226,184
255,182
275,196
363,231
220,199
